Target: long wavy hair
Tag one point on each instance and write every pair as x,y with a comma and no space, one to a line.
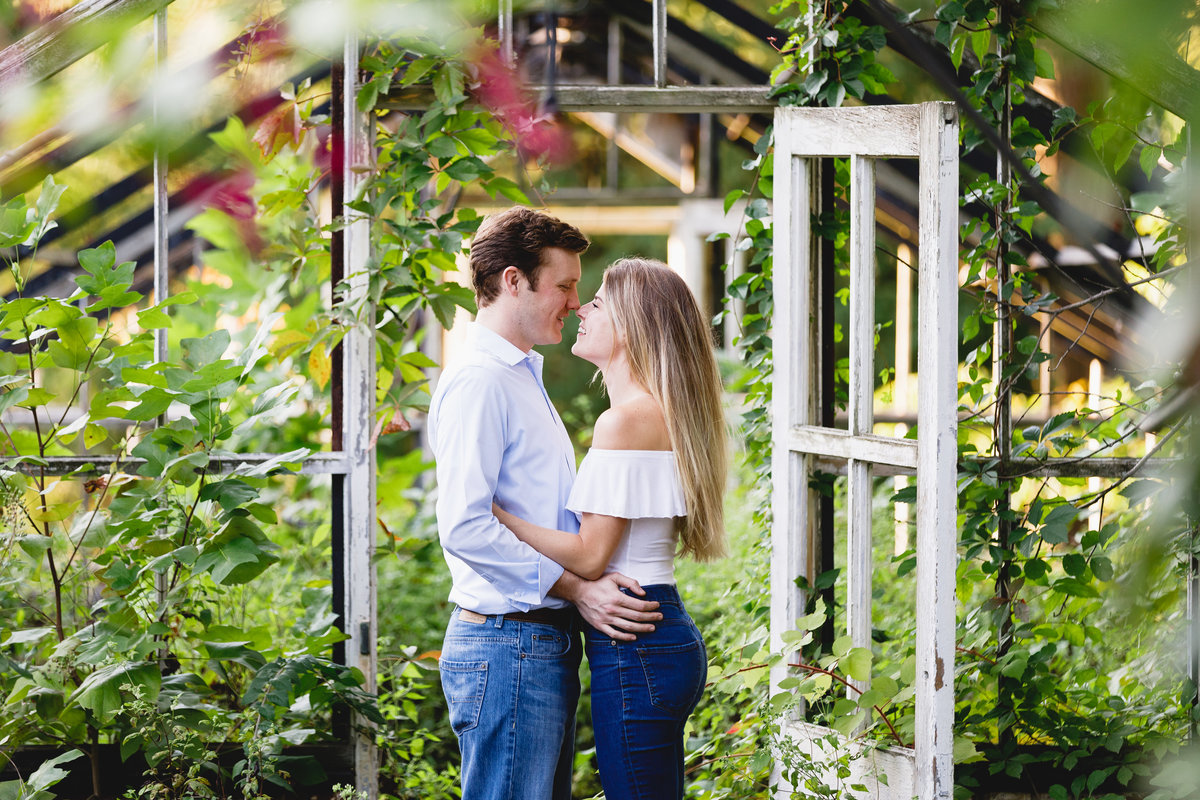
669,347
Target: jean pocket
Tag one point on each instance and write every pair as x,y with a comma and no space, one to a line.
675,675
553,644
464,683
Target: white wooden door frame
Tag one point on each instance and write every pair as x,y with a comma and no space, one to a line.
928,132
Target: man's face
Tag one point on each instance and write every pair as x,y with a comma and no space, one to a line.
542,312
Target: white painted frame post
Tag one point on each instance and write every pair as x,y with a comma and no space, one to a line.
862,400
358,419
793,395
929,132
937,450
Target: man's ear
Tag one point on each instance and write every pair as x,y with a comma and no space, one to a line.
511,280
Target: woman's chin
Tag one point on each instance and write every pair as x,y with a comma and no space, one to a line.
581,352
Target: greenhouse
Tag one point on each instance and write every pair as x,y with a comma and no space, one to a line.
942,252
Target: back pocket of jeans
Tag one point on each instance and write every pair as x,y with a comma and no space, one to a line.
464,683
675,675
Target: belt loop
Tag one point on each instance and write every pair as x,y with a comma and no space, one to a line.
499,620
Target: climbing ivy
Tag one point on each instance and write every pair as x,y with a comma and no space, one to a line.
1059,684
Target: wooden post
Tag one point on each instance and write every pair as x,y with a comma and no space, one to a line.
862,398
792,400
358,417
937,450
659,33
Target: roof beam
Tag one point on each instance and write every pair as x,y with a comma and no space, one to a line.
1159,75
69,37
668,100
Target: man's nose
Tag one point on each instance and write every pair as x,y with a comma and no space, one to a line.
573,302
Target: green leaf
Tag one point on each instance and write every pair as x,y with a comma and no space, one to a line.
153,317
417,70
16,397
1140,490
35,545
17,223
47,774
467,169
1055,525
72,349
281,463
1045,64
957,48
101,691
846,725
1075,588
230,493
479,141
1148,159
733,197
36,397
442,147
1074,564
152,402
506,187
857,663
236,561
368,94
98,263
46,205
145,376
199,353
1035,569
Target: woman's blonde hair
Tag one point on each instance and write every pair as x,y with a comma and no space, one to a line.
669,347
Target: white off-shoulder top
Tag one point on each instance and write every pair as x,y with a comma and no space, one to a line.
642,486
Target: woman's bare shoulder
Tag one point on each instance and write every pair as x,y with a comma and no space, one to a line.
637,424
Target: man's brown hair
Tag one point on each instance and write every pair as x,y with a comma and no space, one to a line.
516,238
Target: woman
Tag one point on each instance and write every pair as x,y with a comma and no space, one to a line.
651,486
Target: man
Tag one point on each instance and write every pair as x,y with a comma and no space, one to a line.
510,659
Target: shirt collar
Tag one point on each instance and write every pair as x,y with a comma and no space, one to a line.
492,343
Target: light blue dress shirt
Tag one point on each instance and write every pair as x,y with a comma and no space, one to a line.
495,434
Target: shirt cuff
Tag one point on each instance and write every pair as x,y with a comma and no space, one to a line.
548,574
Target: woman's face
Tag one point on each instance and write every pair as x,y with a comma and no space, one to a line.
597,339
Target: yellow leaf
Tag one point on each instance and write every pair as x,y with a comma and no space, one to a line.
320,365
55,512
288,341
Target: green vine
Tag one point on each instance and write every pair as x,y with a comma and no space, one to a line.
1037,582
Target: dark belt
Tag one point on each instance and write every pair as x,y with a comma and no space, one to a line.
558,617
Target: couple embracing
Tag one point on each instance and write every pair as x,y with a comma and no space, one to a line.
540,555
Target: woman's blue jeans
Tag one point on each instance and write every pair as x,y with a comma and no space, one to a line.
512,688
642,694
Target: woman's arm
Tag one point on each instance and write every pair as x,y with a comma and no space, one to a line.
633,425
586,554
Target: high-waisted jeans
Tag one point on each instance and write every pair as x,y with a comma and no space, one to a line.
642,694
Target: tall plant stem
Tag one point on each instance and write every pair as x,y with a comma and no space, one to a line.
1002,353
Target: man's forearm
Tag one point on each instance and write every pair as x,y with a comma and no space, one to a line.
567,586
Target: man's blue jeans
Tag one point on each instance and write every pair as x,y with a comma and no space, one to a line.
642,694
512,688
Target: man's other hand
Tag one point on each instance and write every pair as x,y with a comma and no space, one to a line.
612,612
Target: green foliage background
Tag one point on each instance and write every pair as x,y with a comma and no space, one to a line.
181,610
